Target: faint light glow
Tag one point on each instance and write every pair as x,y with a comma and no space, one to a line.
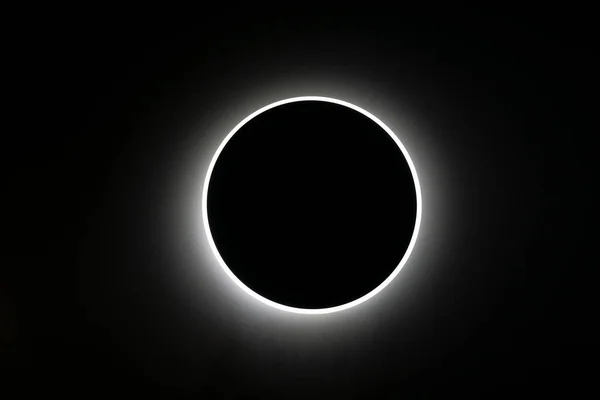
271,303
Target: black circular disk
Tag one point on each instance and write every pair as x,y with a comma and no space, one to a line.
311,204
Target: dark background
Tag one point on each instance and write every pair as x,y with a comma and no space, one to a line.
90,305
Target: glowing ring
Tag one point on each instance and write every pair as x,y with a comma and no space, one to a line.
303,310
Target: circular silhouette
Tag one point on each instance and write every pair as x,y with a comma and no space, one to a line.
311,205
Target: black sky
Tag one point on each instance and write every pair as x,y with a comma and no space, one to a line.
91,305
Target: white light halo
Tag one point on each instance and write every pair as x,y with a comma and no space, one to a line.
271,303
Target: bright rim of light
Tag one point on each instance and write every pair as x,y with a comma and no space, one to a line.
304,310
